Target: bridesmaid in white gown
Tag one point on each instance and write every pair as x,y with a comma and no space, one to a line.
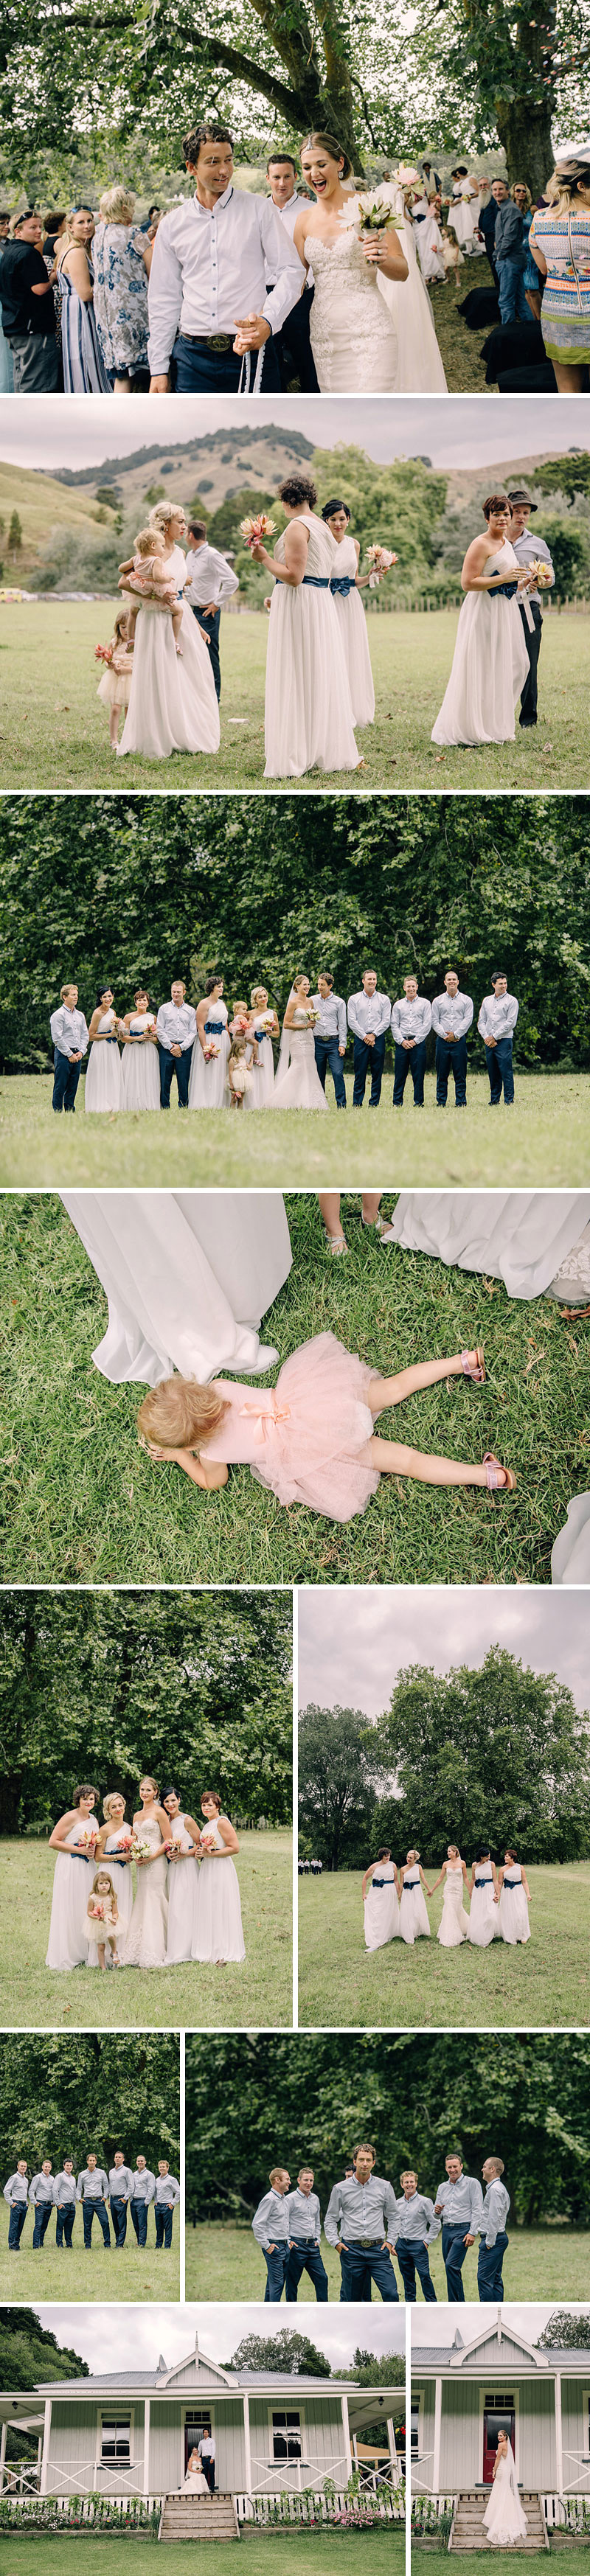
217,1936
352,332
380,1902
114,1846
297,1083
308,719
454,1922
483,1912
183,1836
172,705
188,1275
263,1026
74,1838
413,1918
504,2521
208,1079
520,1236
345,585
140,1070
144,1945
103,1088
513,1908
490,661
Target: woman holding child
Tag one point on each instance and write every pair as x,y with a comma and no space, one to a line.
172,703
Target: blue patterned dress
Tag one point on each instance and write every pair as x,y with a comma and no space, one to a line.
565,310
83,369
120,296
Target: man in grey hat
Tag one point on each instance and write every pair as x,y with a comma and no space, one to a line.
528,549
496,1024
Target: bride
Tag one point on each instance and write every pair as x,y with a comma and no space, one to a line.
352,331
297,1082
195,2483
490,661
504,2521
144,1944
454,1922
172,706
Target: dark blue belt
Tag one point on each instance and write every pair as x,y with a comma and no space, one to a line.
342,582
301,2241
512,1882
78,1855
114,1861
382,1882
260,1035
485,1882
214,1028
505,590
316,581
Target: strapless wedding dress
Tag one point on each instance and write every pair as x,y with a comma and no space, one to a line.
352,334
144,1943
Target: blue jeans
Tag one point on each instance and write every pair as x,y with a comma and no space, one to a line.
328,1058
163,2217
304,2257
404,1064
65,1081
293,346
499,1064
412,2258
181,1066
513,303
368,1060
15,2225
119,2219
454,2255
43,2209
66,2213
451,1057
217,371
95,2209
489,2269
139,2211
372,2263
210,626
276,2273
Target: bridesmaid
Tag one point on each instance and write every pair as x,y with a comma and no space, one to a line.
114,1846
345,584
483,1917
74,1838
413,1918
183,1843
144,1945
308,719
513,1911
217,1935
263,1025
103,1086
381,1909
140,1070
208,1080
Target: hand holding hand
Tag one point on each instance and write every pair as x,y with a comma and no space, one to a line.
251,333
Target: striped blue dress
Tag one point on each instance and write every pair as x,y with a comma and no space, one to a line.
84,371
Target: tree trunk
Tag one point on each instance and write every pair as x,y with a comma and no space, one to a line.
525,135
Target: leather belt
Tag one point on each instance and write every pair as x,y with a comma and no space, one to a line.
214,339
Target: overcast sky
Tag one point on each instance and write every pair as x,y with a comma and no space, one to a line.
353,1643
121,2337
529,2321
454,430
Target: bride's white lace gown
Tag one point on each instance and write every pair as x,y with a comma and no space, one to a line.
297,1082
352,334
504,2521
413,1918
144,1945
490,663
484,1925
454,1922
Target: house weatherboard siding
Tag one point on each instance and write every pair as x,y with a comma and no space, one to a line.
550,2398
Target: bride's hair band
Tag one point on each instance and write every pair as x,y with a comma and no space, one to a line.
329,143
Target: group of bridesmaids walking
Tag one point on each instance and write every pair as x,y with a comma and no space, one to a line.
394,1901
179,1911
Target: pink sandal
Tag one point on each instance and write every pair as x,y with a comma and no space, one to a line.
498,1478
478,1371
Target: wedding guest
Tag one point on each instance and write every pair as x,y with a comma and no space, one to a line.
369,1016
329,1036
529,549
452,1014
459,2203
167,2194
496,1024
122,256
206,2454
28,311
64,2198
69,1037
210,582
176,1029
371,1219
531,280
492,2232
305,2230
359,2222
16,2192
292,343
144,2191
417,2228
41,2198
209,304
93,2190
270,2226
411,1021
487,220
559,240
84,371
510,256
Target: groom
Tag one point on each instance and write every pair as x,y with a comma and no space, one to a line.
459,2202
176,1029
209,304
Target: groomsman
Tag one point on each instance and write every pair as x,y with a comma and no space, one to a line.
209,303
93,2191
270,2226
410,1024
417,2228
16,2192
41,2198
120,2193
496,1024
210,583
329,1036
69,1036
64,2200
176,1029
166,2196
369,1015
452,1014
528,548
305,2224
492,2232
459,2202
360,2222
144,2190
292,343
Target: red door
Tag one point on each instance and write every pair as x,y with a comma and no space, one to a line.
498,2418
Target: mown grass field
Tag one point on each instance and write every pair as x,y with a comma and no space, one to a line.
54,732
536,2559
427,1987
545,1146
541,2263
257,1994
272,2553
81,1502
92,2274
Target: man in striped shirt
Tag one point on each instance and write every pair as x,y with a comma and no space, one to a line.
305,2228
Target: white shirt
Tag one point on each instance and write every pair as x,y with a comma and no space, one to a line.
495,2212
271,2219
330,1016
167,2190
144,2185
210,266
121,2182
456,1014
206,2446
411,1019
498,1015
208,576
288,215
68,1031
369,1012
64,2189
415,2219
305,2218
93,2184
16,2188
41,2187
176,1027
530,549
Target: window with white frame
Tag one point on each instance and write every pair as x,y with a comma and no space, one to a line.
286,2433
416,2414
115,2441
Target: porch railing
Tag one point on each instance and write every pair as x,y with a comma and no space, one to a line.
296,2507
24,2508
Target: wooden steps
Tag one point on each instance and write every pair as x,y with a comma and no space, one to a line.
186,2517
468,2531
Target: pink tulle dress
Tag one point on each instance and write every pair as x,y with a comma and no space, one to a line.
304,1437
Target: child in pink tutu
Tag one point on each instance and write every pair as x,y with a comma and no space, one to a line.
143,573
114,689
311,1439
101,1923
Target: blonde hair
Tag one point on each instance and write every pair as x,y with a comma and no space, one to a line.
104,1873
412,1855
256,994
298,980
179,1414
67,988
409,2174
114,1796
237,1049
149,541
240,1006
163,512
121,616
453,1847
563,187
117,205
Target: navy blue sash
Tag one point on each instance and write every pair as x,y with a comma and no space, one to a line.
342,582
512,1882
382,1882
505,590
316,581
486,1882
214,1028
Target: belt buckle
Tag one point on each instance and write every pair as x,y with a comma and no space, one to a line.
220,340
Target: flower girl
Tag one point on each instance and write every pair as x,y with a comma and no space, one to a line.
114,688
102,1918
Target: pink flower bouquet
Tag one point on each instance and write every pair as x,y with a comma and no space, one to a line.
380,559
255,531
103,653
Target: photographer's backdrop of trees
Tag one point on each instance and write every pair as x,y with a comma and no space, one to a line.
129,887
63,2095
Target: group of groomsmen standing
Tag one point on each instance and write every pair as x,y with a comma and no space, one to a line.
370,1015
120,2190
368,2225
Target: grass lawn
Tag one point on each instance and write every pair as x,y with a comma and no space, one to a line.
257,1994
460,348
541,2263
273,2553
548,1142
80,2275
54,733
471,2560
478,1989
83,1503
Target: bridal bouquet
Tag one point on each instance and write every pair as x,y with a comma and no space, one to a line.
141,1848
254,531
371,212
380,559
542,574
103,653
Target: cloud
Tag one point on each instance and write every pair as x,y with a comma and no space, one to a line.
458,431
353,1643
118,2338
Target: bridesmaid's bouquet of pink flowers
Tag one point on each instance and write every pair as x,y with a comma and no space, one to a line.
380,559
103,653
208,1841
255,531
210,1051
87,1838
124,1839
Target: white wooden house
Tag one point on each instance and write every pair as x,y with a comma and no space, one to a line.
464,2392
